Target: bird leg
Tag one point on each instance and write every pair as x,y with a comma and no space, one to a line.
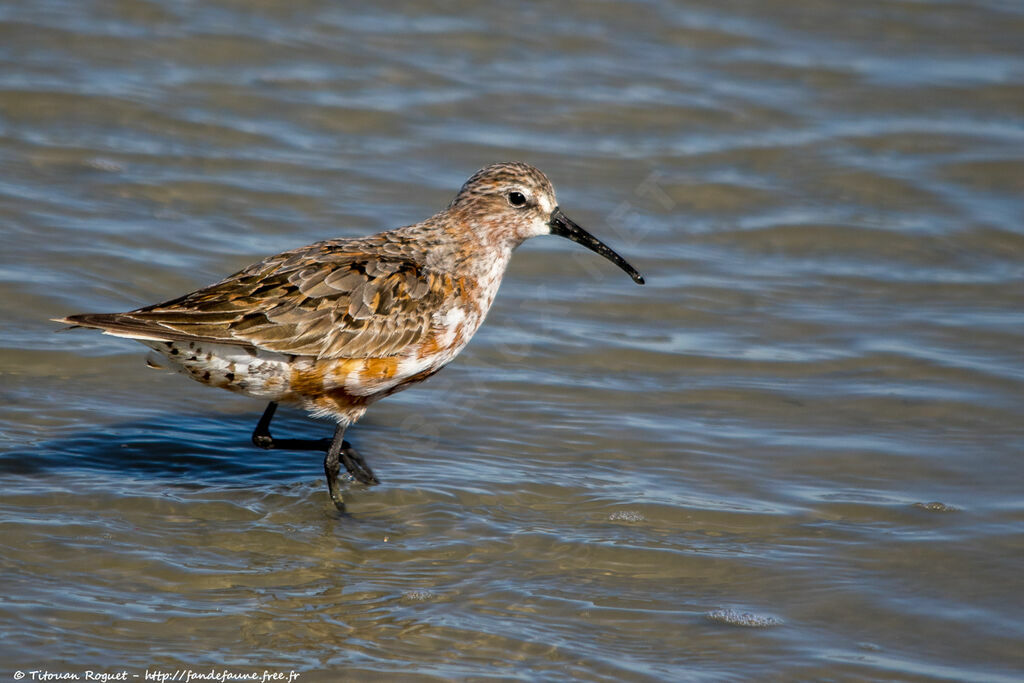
342,452
262,439
338,450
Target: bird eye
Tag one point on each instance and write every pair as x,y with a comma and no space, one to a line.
516,198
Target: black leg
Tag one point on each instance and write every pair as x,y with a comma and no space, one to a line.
339,452
355,464
332,467
261,436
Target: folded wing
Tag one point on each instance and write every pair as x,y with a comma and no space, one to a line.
327,300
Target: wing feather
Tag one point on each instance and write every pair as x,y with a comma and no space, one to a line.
330,300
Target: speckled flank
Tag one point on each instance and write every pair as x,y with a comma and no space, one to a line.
260,374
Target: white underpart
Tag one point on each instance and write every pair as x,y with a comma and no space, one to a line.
450,321
353,382
407,367
257,373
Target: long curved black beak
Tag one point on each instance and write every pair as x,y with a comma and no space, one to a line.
562,225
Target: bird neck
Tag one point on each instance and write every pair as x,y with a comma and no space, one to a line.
461,245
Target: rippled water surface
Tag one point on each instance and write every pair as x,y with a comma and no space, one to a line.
795,454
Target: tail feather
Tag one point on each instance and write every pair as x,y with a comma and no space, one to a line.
83,320
120,325
128,326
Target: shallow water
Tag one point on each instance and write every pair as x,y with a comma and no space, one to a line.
794,454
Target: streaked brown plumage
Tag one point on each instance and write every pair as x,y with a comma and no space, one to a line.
336,325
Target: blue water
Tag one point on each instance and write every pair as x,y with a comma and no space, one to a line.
794,454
